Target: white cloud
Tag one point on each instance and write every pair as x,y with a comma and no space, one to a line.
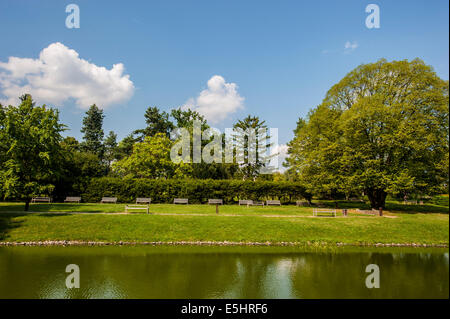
217,101
350,46
59,75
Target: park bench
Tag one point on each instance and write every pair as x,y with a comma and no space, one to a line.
112,200
245,202
273,202
72,199
143,200
317,211
410,202
215,201
41,199
180,201
257,203
301,203
373,211
137,207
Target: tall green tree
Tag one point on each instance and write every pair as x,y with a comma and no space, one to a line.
249,148
157,122
31,153
382,129
93,131
186,118
110,145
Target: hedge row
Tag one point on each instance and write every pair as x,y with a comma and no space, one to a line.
197,191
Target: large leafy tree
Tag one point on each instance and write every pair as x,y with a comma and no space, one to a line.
157,122
93,131
150,159
31,154
382,129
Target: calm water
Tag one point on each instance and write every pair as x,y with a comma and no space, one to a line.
221,272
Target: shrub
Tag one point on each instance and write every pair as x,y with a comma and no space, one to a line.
198,191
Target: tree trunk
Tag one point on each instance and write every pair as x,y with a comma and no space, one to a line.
27,204
377,198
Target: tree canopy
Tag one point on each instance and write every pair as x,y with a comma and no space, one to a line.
150,159
31,154
382,129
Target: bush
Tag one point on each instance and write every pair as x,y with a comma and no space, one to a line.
198,191
441,200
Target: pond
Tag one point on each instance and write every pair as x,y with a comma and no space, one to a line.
222,272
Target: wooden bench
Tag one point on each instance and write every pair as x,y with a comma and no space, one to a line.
112,200
41,199
245,202
72,199
301,203
137,207
369,212
258,203
273,202
317,211
215,201
143,200
180,201
354,199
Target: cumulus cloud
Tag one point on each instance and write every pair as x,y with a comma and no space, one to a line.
350,46
217,101
59,74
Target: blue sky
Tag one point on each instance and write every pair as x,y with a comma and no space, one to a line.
277,58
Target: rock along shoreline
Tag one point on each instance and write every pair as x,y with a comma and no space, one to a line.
213,243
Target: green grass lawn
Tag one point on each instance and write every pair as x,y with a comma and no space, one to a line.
251,224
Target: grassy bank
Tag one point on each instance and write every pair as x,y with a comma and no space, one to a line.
254,224
392,207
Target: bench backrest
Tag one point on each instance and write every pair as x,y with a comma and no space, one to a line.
143,200
324,210
109,199
40,197
73,198
215,201
273,202
245,202
180,201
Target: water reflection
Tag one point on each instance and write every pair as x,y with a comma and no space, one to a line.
206,272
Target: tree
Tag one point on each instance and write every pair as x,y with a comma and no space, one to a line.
186,118
125,147
157,122
78,168
382,129
150,159
31,154
93,131
249,148
110,146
